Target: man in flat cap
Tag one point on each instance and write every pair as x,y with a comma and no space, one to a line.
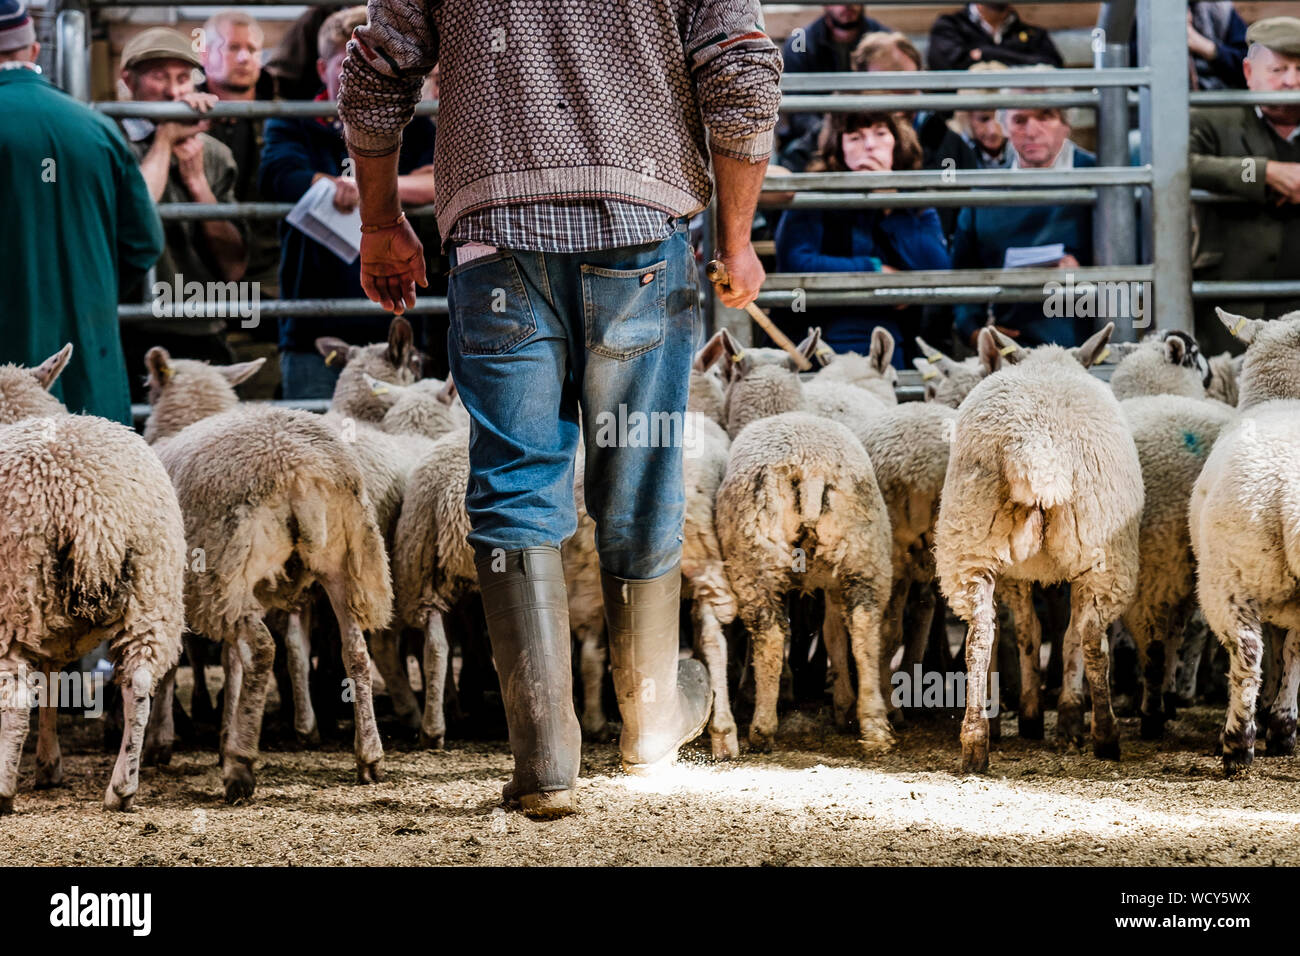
181,163
1253,154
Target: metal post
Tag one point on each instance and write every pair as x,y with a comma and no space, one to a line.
1164,125
1114,219
72,53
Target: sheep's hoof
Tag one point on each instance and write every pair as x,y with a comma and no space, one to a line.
368,773
118,803
1106,749
1281,737
1153,726
726,744
6,806
238,774
158,755
1237,761
896,719
975,756
48,775
1030,728
760,741
876,740
429,741
1172,702
310,739
843,715
1069,724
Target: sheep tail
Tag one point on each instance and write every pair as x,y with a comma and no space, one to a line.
1038,473
811,491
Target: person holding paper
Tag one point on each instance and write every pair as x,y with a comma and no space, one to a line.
574,145
298,153
863,240
997,237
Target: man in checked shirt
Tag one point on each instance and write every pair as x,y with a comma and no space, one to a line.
574,144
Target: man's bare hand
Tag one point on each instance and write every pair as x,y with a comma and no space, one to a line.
1283,179
746,277
198,101
1067,261
189,163
392,265
346,195
169,133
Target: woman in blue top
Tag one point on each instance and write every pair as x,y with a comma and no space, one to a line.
864,240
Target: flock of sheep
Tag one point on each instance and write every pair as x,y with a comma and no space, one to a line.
1175,485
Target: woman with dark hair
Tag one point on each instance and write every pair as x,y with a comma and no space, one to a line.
863,240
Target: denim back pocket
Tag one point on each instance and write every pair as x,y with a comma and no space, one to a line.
623,309
490,311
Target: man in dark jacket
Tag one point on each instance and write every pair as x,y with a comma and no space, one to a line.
297,153
1253,154
82,228
986,32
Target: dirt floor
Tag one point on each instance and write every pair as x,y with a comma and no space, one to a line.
815,800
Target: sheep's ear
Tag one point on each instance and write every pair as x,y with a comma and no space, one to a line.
158,363
882,349
401,342
738,363
989,353
335,351
447,394
1243,328
1094,349
1176,349
708,356
818,354
242,372
934,359
930,376
49,370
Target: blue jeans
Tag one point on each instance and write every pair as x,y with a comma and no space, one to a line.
305,375
537,336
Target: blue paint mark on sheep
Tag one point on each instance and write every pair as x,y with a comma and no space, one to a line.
1194,444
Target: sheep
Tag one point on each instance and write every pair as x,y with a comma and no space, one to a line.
1244,521
873,372
799,508
1164,363
947,381
396,361
273,502
1174,435
92,549
1043,484
1225,370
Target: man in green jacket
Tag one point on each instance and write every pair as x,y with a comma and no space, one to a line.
1253,154
84,227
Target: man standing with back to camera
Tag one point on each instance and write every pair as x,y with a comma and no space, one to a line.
571,152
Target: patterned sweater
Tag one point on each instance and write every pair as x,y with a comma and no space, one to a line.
553,99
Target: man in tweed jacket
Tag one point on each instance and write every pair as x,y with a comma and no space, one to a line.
575,140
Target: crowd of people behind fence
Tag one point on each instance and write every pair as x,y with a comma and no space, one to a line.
77,261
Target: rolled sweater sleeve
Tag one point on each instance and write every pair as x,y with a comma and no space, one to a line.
388,59
737,73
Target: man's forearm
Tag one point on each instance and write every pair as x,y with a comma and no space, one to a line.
377,184
155,167
227,247
739,183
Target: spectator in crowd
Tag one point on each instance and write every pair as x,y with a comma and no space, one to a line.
824,46
1040,139
83,228
979,142
984,32
181,163
292,67
864,240
1216,46
1253,154
298,152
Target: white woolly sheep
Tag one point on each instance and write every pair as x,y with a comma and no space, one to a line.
1163,363
873,372
92,549
274,502
396,361
1225,370
1044,485
1245,530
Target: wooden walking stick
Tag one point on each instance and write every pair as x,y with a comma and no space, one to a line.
718,275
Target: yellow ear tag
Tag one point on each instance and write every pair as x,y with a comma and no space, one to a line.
379,388
1241,323
1102,356
928,374
167,373
330,358
932,359
823,351
738,356
1007,350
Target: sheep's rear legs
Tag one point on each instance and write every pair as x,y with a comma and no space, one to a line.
135,720
712,643
1282,712
979,650
15,717
356,659
49,760
437,663
1246,649
242,737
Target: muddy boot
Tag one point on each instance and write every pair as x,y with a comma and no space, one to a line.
665,703
528,623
